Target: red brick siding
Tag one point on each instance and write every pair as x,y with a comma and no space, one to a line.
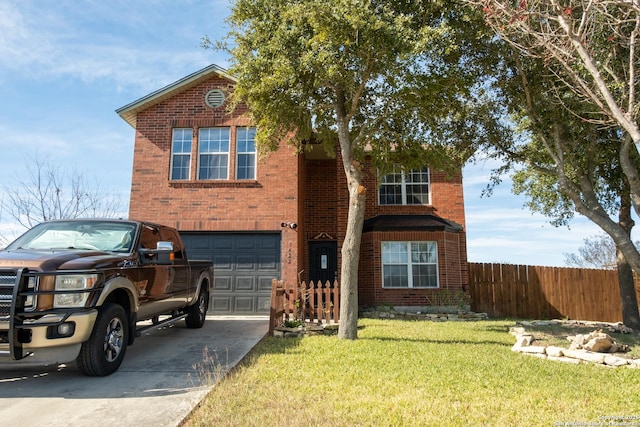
446,198
446,202
229,205
451,275
320,208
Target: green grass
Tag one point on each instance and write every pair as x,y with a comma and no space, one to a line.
400,373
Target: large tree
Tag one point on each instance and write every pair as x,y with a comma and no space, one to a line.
589,51
399,81
564,162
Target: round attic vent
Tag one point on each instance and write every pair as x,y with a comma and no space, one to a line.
214,98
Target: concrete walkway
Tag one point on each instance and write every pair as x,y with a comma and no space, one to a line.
163,377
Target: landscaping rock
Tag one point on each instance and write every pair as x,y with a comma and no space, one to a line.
436,314
523,340
615,360
555,351
599,344
620,328
619,348
585,355
576,342
331,329
285,332
315,330
592,348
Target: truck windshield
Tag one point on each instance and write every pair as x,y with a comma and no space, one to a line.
111,236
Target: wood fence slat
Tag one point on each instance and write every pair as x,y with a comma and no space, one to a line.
538,292
310,303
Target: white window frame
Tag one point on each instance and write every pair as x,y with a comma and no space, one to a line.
221,153
401,181
179,136
407,256
248,154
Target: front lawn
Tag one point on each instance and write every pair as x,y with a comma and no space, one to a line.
404,373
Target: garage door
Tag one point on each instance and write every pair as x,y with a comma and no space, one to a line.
244,265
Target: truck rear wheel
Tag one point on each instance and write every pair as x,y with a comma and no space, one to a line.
103,352
197,313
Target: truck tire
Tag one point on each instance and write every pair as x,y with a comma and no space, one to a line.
103,352
197,313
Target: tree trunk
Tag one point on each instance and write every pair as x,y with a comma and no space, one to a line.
350,260
628,297
630,314
348,326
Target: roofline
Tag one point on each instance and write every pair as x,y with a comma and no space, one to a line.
130,111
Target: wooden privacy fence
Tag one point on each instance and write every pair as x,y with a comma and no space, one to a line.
312,303
534,292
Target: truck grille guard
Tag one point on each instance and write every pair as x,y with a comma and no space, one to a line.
14,292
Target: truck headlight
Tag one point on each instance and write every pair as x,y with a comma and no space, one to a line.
73,282
30,300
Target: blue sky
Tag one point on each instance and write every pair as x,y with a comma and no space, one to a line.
67,65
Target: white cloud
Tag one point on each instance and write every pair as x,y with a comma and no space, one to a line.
120,41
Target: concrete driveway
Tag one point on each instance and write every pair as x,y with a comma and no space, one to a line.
164,375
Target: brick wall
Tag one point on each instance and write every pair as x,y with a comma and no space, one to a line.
447,201
320,207
229,205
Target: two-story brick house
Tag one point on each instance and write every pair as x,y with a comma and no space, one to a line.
283,215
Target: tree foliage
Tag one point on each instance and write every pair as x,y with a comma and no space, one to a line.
586,52
398,81
588,45
570,85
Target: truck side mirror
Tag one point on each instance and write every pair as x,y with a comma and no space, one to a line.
164,246
162,254
165,252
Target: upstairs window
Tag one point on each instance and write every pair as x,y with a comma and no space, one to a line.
246,153
410,188
181,154
409,265
213,153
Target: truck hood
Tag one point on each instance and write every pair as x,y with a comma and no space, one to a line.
60,259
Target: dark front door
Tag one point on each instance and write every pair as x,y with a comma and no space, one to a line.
323,264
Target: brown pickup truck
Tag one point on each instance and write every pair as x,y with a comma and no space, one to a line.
76,290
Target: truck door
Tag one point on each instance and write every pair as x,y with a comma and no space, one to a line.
155,285
181,283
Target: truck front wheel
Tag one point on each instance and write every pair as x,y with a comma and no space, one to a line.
103,352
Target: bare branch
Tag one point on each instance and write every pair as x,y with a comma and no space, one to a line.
47,193
584,42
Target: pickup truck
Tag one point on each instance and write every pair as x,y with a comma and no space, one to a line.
83,289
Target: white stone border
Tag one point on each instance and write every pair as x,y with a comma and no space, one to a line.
524,345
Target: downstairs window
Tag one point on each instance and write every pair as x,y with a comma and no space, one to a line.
410,265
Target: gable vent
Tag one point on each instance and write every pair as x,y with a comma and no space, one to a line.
214,98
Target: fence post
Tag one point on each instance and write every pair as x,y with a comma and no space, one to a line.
277,304
336,301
